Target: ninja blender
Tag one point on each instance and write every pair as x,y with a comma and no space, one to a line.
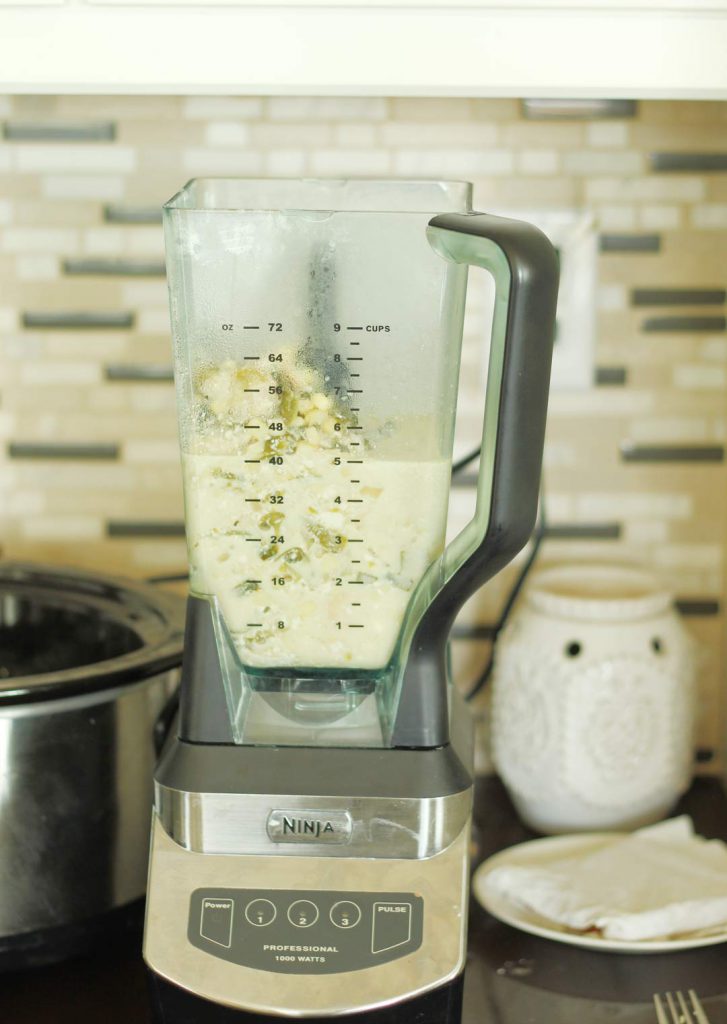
310,836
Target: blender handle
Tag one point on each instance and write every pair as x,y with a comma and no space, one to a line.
524,265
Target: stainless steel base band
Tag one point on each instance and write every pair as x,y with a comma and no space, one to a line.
441,881
380,827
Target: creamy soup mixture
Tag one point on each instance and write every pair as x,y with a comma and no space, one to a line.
311,542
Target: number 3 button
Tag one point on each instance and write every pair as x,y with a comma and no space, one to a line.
345,914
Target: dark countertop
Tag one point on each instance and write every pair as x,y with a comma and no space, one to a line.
512,978
515,978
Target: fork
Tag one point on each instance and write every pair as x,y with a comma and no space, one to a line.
680,1012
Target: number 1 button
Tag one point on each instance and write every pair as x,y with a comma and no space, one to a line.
260,912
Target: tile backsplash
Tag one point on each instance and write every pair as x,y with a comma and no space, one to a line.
634,466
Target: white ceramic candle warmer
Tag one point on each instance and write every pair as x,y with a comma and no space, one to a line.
593,701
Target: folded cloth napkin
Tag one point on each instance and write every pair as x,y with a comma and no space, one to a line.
658,882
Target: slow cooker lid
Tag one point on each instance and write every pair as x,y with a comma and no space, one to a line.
67,632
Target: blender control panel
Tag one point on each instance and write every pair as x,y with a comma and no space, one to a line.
300,932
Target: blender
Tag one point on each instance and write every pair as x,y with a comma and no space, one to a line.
310,834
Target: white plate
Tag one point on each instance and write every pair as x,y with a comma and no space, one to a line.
538,853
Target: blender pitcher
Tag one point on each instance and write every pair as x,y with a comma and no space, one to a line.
317,331
312,811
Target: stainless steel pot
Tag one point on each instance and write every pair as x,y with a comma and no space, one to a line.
88,665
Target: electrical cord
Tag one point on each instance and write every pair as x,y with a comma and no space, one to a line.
458,466
538,534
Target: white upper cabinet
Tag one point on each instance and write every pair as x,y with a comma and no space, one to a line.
557,48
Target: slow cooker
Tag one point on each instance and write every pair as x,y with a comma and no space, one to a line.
88,673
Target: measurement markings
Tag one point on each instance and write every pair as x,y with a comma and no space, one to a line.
252,391
355,540
354,342
355,462
251,327
253,623
354,328
355,408
250,426
253,540
253,581
355,501
355,604
355,374
355,583
253,499
355,561
355,428
251,357
354,359
355,391
252,460
356,625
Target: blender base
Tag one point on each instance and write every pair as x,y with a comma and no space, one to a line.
232,929
173,1005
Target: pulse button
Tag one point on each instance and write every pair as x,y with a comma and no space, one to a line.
302,913
391,926
345,914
